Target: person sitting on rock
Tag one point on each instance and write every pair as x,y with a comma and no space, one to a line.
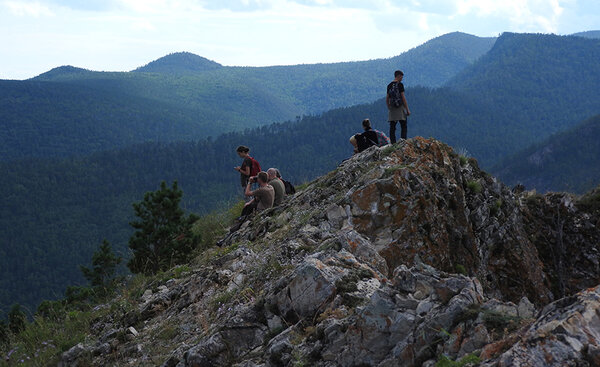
289,188
368,138
263,197
278,186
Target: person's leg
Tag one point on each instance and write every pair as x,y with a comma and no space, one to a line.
248,209
392,132
403,133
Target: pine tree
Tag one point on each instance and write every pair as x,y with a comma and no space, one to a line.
163,234
104,265
16,319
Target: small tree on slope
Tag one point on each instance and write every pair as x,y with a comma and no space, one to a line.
163,234
104,265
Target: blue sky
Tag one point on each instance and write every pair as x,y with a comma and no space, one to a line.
120,35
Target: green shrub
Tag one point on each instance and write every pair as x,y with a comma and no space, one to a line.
444,361
460,269
474,186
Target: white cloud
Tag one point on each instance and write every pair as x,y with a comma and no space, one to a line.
523,15
23,8
124,34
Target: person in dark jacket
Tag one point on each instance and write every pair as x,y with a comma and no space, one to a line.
368,138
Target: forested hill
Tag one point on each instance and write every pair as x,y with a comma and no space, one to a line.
588,34
50,119
568,161
190,97
543,84
180,62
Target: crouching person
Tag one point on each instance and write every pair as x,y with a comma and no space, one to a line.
263,197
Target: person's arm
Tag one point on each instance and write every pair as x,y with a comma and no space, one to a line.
245,170
249,203
387,100
405,104
249,192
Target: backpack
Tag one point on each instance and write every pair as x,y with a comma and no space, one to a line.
255,167
382,139
289,188
395,94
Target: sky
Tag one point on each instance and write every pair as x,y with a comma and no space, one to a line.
121,35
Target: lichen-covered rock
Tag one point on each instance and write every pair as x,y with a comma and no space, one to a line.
567,333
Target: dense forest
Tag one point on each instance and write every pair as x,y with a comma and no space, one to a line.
71,111
55,212
568,161
542,83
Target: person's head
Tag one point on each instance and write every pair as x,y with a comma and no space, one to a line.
398,74
366,124
242,151
262,178
271,173
277,173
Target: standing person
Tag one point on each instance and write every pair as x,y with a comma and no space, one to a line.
277,184
250,166
397,106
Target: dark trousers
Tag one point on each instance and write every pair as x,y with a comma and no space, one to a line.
249,209
403,130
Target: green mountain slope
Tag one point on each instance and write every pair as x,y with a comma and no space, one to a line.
200,97
588,34
568,161
540,84
180,62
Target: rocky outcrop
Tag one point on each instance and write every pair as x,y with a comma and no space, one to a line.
400,257
565,334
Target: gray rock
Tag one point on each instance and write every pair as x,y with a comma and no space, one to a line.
561,336
70,357
312,285
525,309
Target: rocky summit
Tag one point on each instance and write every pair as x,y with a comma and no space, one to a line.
406,255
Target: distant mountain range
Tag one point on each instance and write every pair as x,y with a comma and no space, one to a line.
568,161
55,212
588,34
185,96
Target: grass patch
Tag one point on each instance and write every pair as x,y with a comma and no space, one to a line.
43,341
463,160
444,361
500,322
221,299
460,269
389,149
495,209
390,171
474,186
211,227
590,201
168,332
302,186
